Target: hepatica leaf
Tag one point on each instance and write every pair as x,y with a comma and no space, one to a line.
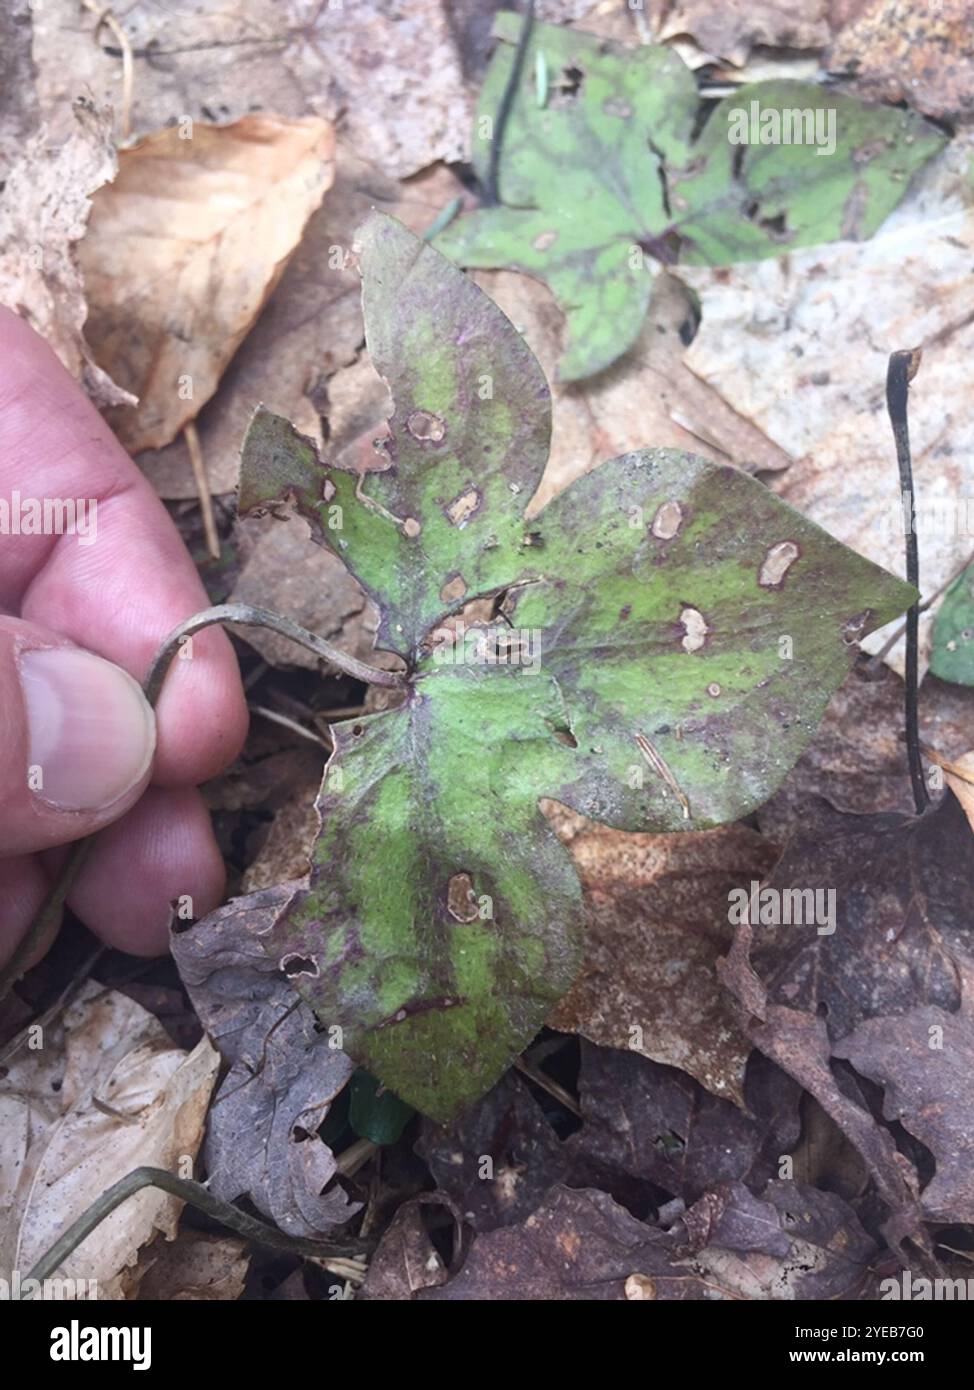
667,635
952,650
608,177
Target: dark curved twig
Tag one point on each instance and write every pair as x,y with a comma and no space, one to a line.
903,367
195,1195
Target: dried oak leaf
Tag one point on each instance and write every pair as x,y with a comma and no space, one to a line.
262,1135
182,251
659,584
924,1060
791,1243
656,1123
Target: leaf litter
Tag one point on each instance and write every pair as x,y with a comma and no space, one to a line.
615,1174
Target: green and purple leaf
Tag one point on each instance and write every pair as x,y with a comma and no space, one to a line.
607,178
678,632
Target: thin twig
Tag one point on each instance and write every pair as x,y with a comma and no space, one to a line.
287,723
903,366
546,1083
195,1195
106,18
928,602
202,489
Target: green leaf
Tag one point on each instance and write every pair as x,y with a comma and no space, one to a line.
374,1113
606,175
679,632
952,653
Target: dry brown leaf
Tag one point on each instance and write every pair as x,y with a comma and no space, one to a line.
183,250
800,346
285,572
194,1267
107,1092
657,921
730,28
913,51
45,205
311,326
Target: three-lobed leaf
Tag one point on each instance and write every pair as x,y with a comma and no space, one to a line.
678,632
603,174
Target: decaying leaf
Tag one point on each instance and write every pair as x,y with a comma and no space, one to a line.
654,591
655,924
183,250
656,1123
885,916
262,1135
498,1159
309,330
45,204
924,1060
730,28
912,51
106,1093
790,1243
605,177
195,1266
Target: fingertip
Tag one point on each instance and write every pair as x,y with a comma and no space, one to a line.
163,852
202,715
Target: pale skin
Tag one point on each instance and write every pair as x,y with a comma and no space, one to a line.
118,597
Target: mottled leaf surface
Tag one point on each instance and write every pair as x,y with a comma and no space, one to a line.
443,917
607,167
952,648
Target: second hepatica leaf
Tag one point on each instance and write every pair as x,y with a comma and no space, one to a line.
607,177
676,633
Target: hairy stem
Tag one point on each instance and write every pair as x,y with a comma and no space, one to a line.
248,616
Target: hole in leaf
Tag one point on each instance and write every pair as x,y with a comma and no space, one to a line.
568,86
298,965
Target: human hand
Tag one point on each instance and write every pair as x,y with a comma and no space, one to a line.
81,616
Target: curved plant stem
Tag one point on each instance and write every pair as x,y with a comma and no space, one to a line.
195,1195
248,616
50,910
902,369
492,195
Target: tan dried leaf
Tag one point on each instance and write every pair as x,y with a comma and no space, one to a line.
108,1092
183,251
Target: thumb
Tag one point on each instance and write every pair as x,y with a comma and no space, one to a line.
76,742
